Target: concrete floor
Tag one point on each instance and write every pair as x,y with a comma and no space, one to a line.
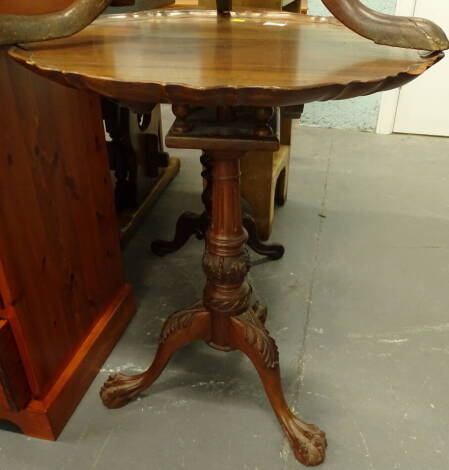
358,306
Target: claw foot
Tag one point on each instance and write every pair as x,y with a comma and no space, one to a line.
307,441
120,389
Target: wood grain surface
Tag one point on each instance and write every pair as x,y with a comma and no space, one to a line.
59,243
14,390
251,58
62,292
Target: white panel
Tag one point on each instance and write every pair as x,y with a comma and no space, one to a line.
423,106
389,100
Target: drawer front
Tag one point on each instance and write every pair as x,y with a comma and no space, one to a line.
14,390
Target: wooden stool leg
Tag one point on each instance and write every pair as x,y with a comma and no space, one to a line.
249,335
270,250
180,329
189,223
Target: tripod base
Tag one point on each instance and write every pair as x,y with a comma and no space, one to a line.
246,333
225,318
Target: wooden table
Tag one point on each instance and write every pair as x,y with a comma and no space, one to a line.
210,66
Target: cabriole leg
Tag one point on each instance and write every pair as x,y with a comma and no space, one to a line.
249,335
180,329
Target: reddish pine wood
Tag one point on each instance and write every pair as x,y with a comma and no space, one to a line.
61,275
14,390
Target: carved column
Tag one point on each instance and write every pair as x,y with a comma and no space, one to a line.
226,259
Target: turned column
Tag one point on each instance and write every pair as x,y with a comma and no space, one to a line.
226,259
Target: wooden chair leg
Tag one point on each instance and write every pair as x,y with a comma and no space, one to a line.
282,187
265,176
258,188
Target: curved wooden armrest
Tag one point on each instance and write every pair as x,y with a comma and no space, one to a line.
22,28
389,30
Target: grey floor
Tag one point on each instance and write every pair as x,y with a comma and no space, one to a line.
358,306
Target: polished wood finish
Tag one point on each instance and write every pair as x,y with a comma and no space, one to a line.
213,59
14,390
61,275
226,318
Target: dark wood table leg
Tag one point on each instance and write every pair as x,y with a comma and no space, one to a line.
249,334
190,224
225,319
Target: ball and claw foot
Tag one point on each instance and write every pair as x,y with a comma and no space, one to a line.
307,441
120,389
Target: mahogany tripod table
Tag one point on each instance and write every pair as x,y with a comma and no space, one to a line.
224,75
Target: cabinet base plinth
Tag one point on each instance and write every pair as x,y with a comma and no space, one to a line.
46,418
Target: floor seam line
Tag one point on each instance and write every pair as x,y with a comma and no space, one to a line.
295,395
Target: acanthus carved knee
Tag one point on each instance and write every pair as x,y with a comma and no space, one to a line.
180,320
257,336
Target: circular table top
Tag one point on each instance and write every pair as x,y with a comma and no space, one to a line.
253,57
